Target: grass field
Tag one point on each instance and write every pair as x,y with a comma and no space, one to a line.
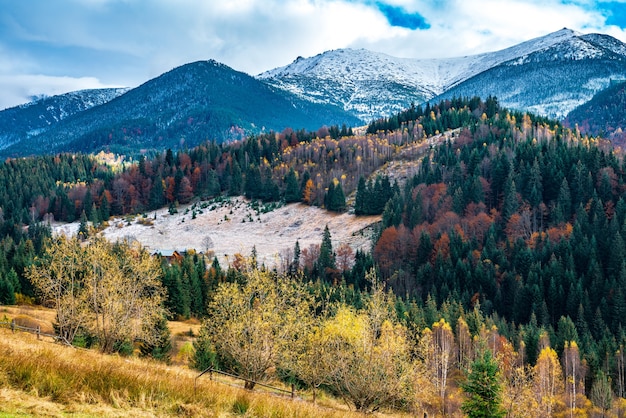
42,378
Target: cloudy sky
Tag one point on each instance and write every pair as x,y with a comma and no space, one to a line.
51,47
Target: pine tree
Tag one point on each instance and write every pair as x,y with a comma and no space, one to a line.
326,258
160,347
483,389
292,188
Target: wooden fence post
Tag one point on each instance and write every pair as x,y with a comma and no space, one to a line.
293,391
13,326
39,332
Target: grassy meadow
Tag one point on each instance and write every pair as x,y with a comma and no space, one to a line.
42,378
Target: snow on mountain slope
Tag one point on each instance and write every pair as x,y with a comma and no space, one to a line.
551,81
35,117
371,84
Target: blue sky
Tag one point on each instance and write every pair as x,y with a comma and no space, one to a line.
51,47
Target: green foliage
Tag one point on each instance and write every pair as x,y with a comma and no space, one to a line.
160,348
326,260
335,199
7,291
204,355
483,389
372,196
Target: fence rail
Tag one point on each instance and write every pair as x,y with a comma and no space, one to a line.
15,327
37,331
211,370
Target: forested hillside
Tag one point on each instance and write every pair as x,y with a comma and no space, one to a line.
508,240
602,115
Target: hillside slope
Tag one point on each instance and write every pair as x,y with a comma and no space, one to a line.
200,101
31,119
604,114
45,379
235,226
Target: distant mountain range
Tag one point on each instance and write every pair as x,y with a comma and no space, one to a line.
550,76
199,101
31,119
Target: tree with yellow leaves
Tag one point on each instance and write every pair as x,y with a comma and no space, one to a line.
574,376
548,381
111,290
251,324
436,351
58,279
370,370
371,366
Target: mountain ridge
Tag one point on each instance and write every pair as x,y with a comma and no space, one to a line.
199,101
357,83
30,119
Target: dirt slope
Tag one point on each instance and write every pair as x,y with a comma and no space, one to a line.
236,226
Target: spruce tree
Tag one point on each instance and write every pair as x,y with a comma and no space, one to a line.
161,347
360,199
326,258
7,292
292,188
483,389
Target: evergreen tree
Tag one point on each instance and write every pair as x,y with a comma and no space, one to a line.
83,229
204,355
292,188
294,267
236,181
253,186
509,204
326,258
161,347
7,291
335,199
360,198
483,389
105,208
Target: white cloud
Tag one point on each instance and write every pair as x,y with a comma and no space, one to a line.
87,43
21,88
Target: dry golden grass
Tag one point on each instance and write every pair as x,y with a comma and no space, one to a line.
45,379
30,316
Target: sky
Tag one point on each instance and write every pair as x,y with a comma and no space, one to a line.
52,47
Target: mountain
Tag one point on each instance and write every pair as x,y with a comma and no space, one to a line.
199,101
554,80
527,76
604,114
31,119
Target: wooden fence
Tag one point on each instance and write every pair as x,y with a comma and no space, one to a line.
37,331
211,370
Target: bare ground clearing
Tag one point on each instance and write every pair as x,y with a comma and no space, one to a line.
236,226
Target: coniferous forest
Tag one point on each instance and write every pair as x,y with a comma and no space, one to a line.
505,246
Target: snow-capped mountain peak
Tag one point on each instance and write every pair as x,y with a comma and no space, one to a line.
373,84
